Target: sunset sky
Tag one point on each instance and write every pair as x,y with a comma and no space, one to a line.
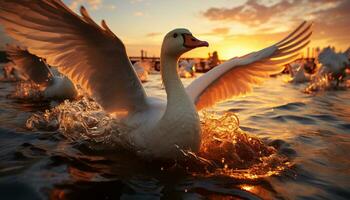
232,27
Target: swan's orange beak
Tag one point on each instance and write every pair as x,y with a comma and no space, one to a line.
192,42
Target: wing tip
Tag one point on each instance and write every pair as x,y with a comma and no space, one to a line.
86,16
83,11
304,33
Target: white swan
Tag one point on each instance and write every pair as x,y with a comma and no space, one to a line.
96,59
32,68
333,63
186,69
298,73
142,69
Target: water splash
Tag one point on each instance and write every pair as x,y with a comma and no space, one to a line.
225,149
27,90
318,83
236,153
80,120
325,82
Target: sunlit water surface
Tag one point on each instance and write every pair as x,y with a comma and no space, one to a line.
292,146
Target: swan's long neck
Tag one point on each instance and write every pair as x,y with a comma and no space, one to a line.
179,127
177,97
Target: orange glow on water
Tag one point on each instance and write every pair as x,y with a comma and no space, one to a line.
236,153
57,194
27,90
225,149
247,187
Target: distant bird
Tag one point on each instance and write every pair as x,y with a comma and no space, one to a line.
32,68
186,69
333,63
96,59
142,69
298,73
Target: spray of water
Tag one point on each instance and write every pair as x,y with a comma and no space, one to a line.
27,90
325,82
225,149
319,83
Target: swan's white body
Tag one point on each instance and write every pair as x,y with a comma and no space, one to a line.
32,68
95,58
60,87
164,128
160,131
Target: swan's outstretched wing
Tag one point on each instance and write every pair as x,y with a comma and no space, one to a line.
237,76
90,55
28,65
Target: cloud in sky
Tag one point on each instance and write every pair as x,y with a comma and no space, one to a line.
153,34
110,7
258,12
93,4
221,31
330,17
139,14
136,1
231,27
251,13
216,31
334,23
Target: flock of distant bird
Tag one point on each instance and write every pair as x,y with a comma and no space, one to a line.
186,69
328,62
28,67
94,58
25,66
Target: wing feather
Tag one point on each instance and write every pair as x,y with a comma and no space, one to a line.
237,76
28,65
89,54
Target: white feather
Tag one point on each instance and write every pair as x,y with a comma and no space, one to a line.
237,76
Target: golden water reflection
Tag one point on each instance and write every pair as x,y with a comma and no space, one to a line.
225,150
27,90
234,152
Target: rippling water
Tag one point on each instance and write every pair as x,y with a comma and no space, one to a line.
312,131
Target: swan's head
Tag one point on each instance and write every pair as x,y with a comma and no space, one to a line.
179,41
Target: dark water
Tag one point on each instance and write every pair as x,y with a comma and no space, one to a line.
315,128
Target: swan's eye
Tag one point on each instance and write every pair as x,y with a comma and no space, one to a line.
175,35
